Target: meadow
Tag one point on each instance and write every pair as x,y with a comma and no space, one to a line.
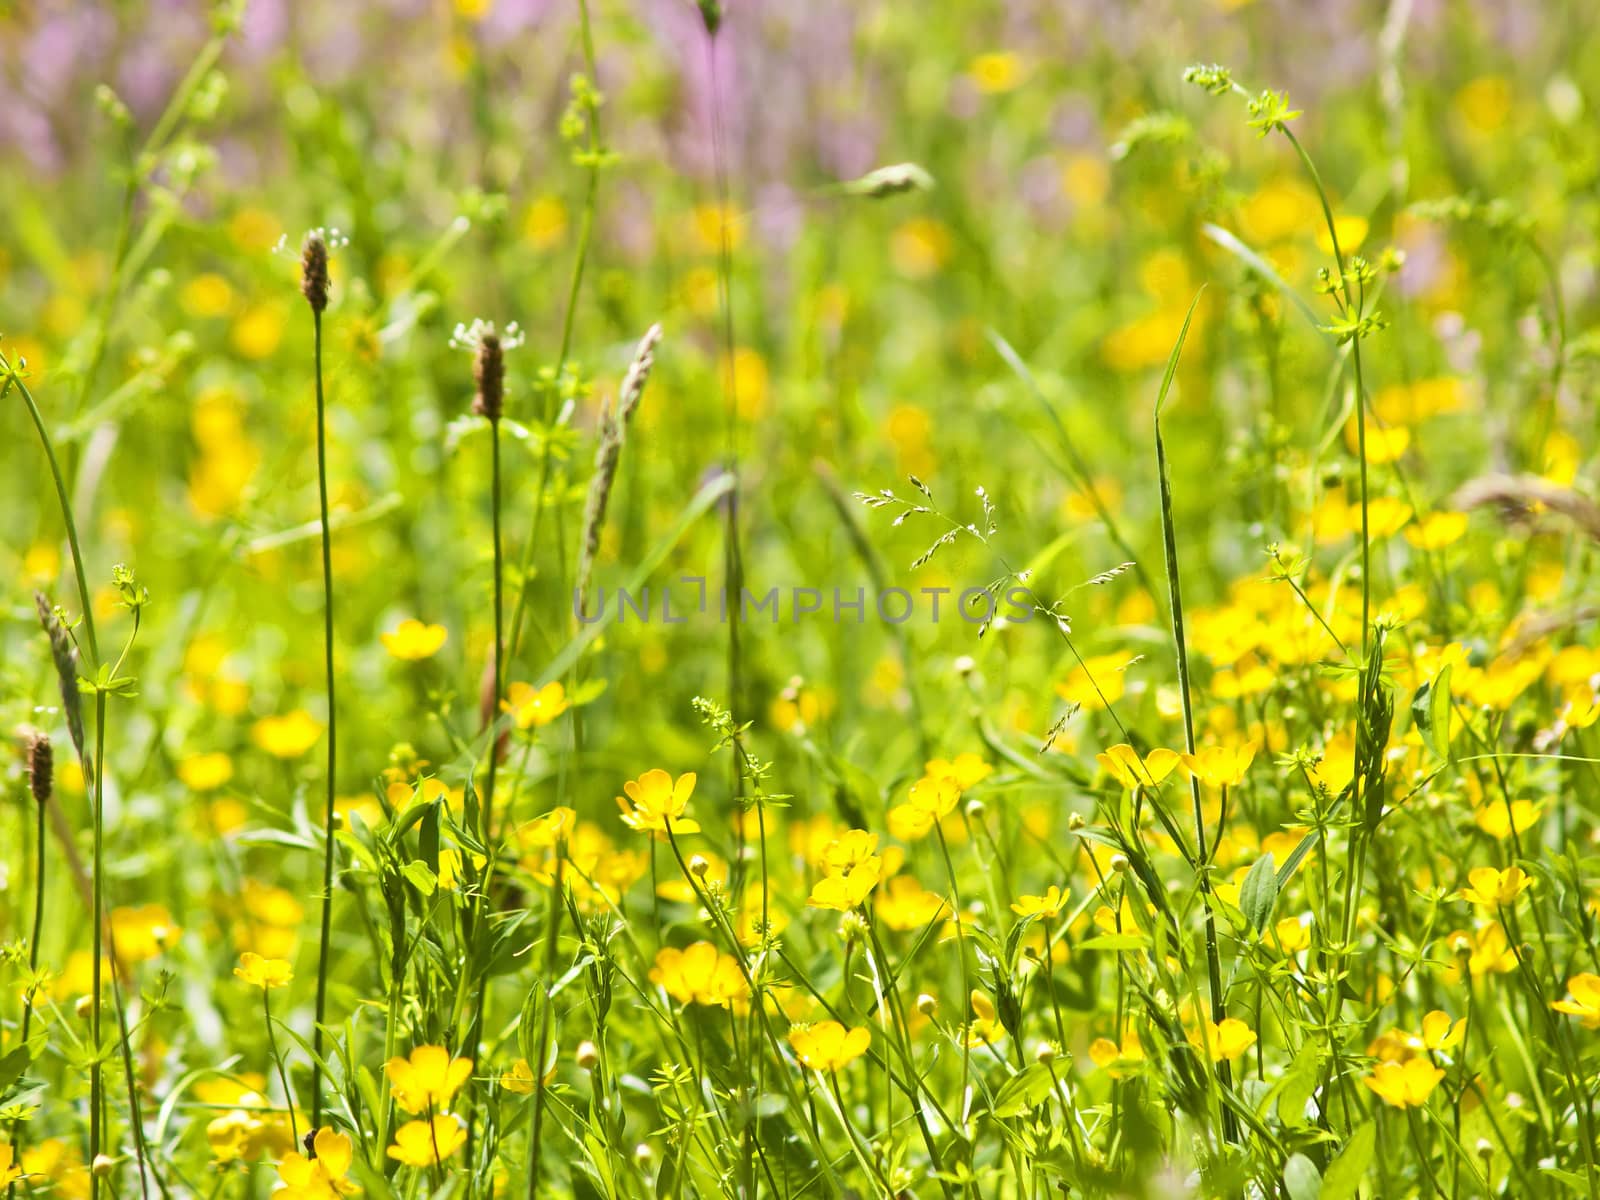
717,598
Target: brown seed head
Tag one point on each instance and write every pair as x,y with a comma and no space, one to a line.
314,271
489,373
41,761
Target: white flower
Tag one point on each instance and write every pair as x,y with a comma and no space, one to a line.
470,337
332,237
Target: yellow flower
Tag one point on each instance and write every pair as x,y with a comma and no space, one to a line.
142,933
254,230
1489,888
967,769
850,849
55,1161
534,708
1438,1033
984,1029
847,889
1117,1061
1437,530
920,247
264,973
249,1132
656,803
1493,819
428,1079
1484,104
207,295
1220,766
903,904
545,222
258,330
1293,934
746,374
995,72
1099,681
1122,762
319,1178
411,640
520,1078
1404,1085
1485,950
701,974
1226,1040
910,823
288,736
711,223
937,796
450,865
423,1143
1384,444
828,1045
1352,231
1585,1003
1048,905
205,772
9,1171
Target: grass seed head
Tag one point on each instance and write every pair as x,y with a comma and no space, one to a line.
41,763
314,281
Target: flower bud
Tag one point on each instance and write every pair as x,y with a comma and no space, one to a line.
699,866
1119,863
1045,1053
975,809
83,1007
927,1005
102,1166
852,927
588,1056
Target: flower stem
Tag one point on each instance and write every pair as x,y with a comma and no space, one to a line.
327,644
283,1075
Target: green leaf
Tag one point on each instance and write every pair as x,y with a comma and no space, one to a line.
1115,941
1439,714
1259,893
1345,1173
1301,1179
428,837
1261,267
1023,1092
1299,1085
587,691
13,1065
1571,1180
420,877
667,1178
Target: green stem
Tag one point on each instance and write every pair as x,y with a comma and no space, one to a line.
552,940
96,1067
499,637
323,947
283,1075
65,502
